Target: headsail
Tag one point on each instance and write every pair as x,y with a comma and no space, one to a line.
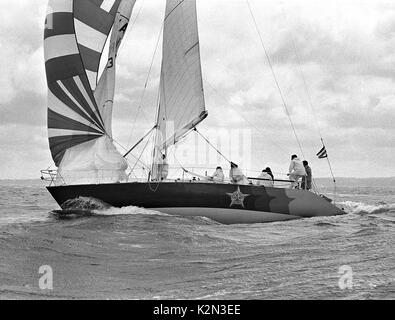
105,90
182,104
74,39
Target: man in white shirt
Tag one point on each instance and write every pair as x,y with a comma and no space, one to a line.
296,171
236,176
218,176
268,179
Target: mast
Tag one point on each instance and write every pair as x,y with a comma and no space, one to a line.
181,104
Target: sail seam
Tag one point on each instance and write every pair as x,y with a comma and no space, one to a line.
190,49
174,9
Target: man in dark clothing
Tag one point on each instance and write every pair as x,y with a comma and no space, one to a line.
269,172
306,181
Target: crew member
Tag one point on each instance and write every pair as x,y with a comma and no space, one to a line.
306,181
296,171
236,176
266,178
218,176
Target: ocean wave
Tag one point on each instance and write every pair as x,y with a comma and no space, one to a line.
324,224
22,219
88,206
85,203
84,206
131,210
361,208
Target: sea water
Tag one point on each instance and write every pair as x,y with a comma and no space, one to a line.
133,253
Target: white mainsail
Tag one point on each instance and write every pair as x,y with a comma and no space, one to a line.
182,104
80,110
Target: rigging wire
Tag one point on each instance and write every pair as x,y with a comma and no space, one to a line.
210,144
120,145
330,168
275,77
186,170
141,140
137,15
179,163
310,100
245,119
306,87
146,85
141,154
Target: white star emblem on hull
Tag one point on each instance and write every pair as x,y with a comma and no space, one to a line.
237,197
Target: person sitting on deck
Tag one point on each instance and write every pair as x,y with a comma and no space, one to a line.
218,176
267,178
269,171
296,171
306,181
236,176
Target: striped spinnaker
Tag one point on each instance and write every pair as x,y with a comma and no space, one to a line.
75,35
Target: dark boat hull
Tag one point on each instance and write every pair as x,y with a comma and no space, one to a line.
225,203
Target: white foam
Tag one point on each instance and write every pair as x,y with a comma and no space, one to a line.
128,211
219,293
363,208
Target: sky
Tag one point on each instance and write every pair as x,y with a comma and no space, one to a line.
334,62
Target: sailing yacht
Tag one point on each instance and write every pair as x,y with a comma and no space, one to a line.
80,105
